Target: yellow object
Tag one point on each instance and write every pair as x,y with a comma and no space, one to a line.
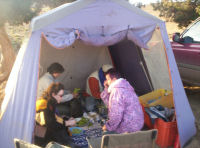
39,117
76,90
41,104
59,119
166,101
158,97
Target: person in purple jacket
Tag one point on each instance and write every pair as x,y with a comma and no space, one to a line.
124,109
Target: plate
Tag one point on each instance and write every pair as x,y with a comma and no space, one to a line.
92,113
77,119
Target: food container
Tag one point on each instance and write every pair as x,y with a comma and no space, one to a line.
75,131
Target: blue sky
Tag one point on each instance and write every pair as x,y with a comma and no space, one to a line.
143,1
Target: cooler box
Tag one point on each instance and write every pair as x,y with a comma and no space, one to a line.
167,133
147,120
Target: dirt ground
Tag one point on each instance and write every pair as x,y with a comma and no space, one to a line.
194,100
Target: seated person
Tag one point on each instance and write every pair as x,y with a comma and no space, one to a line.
56,126
53,72
94,87
124,110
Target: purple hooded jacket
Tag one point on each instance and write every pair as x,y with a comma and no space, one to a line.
124,110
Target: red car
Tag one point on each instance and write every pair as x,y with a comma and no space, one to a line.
186,48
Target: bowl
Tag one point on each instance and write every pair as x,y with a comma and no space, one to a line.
75,131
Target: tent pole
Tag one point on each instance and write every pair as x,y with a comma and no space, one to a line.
143,68
146,75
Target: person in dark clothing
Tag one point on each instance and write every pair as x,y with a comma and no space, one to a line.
56,126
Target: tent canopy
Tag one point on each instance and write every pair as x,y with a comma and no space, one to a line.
101,22
112,31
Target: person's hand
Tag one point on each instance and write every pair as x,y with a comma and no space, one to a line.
105,84
77,33
70,122
75,95
104,128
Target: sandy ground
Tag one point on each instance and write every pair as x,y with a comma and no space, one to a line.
194,100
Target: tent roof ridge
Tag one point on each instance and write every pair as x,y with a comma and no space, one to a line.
64,10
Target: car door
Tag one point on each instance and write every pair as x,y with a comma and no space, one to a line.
187,54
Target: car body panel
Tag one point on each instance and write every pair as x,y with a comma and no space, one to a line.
187,55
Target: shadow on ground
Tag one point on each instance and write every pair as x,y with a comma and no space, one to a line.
194,100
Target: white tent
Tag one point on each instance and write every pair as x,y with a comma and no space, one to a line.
111,31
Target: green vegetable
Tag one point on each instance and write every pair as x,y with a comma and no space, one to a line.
76,131
90,124
83,122
77,90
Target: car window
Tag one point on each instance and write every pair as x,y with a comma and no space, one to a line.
193,32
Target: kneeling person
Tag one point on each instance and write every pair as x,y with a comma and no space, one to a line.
124,110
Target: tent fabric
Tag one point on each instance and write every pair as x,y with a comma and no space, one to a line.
129,68
20,95
106,31
58,13
61,38
184,115
68,9
101,23
75,61
155,62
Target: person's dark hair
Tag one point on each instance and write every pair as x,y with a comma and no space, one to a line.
53,88
55,68
113,73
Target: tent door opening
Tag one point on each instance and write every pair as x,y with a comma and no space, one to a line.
129,61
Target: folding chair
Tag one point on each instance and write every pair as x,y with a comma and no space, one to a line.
140,139
23,144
